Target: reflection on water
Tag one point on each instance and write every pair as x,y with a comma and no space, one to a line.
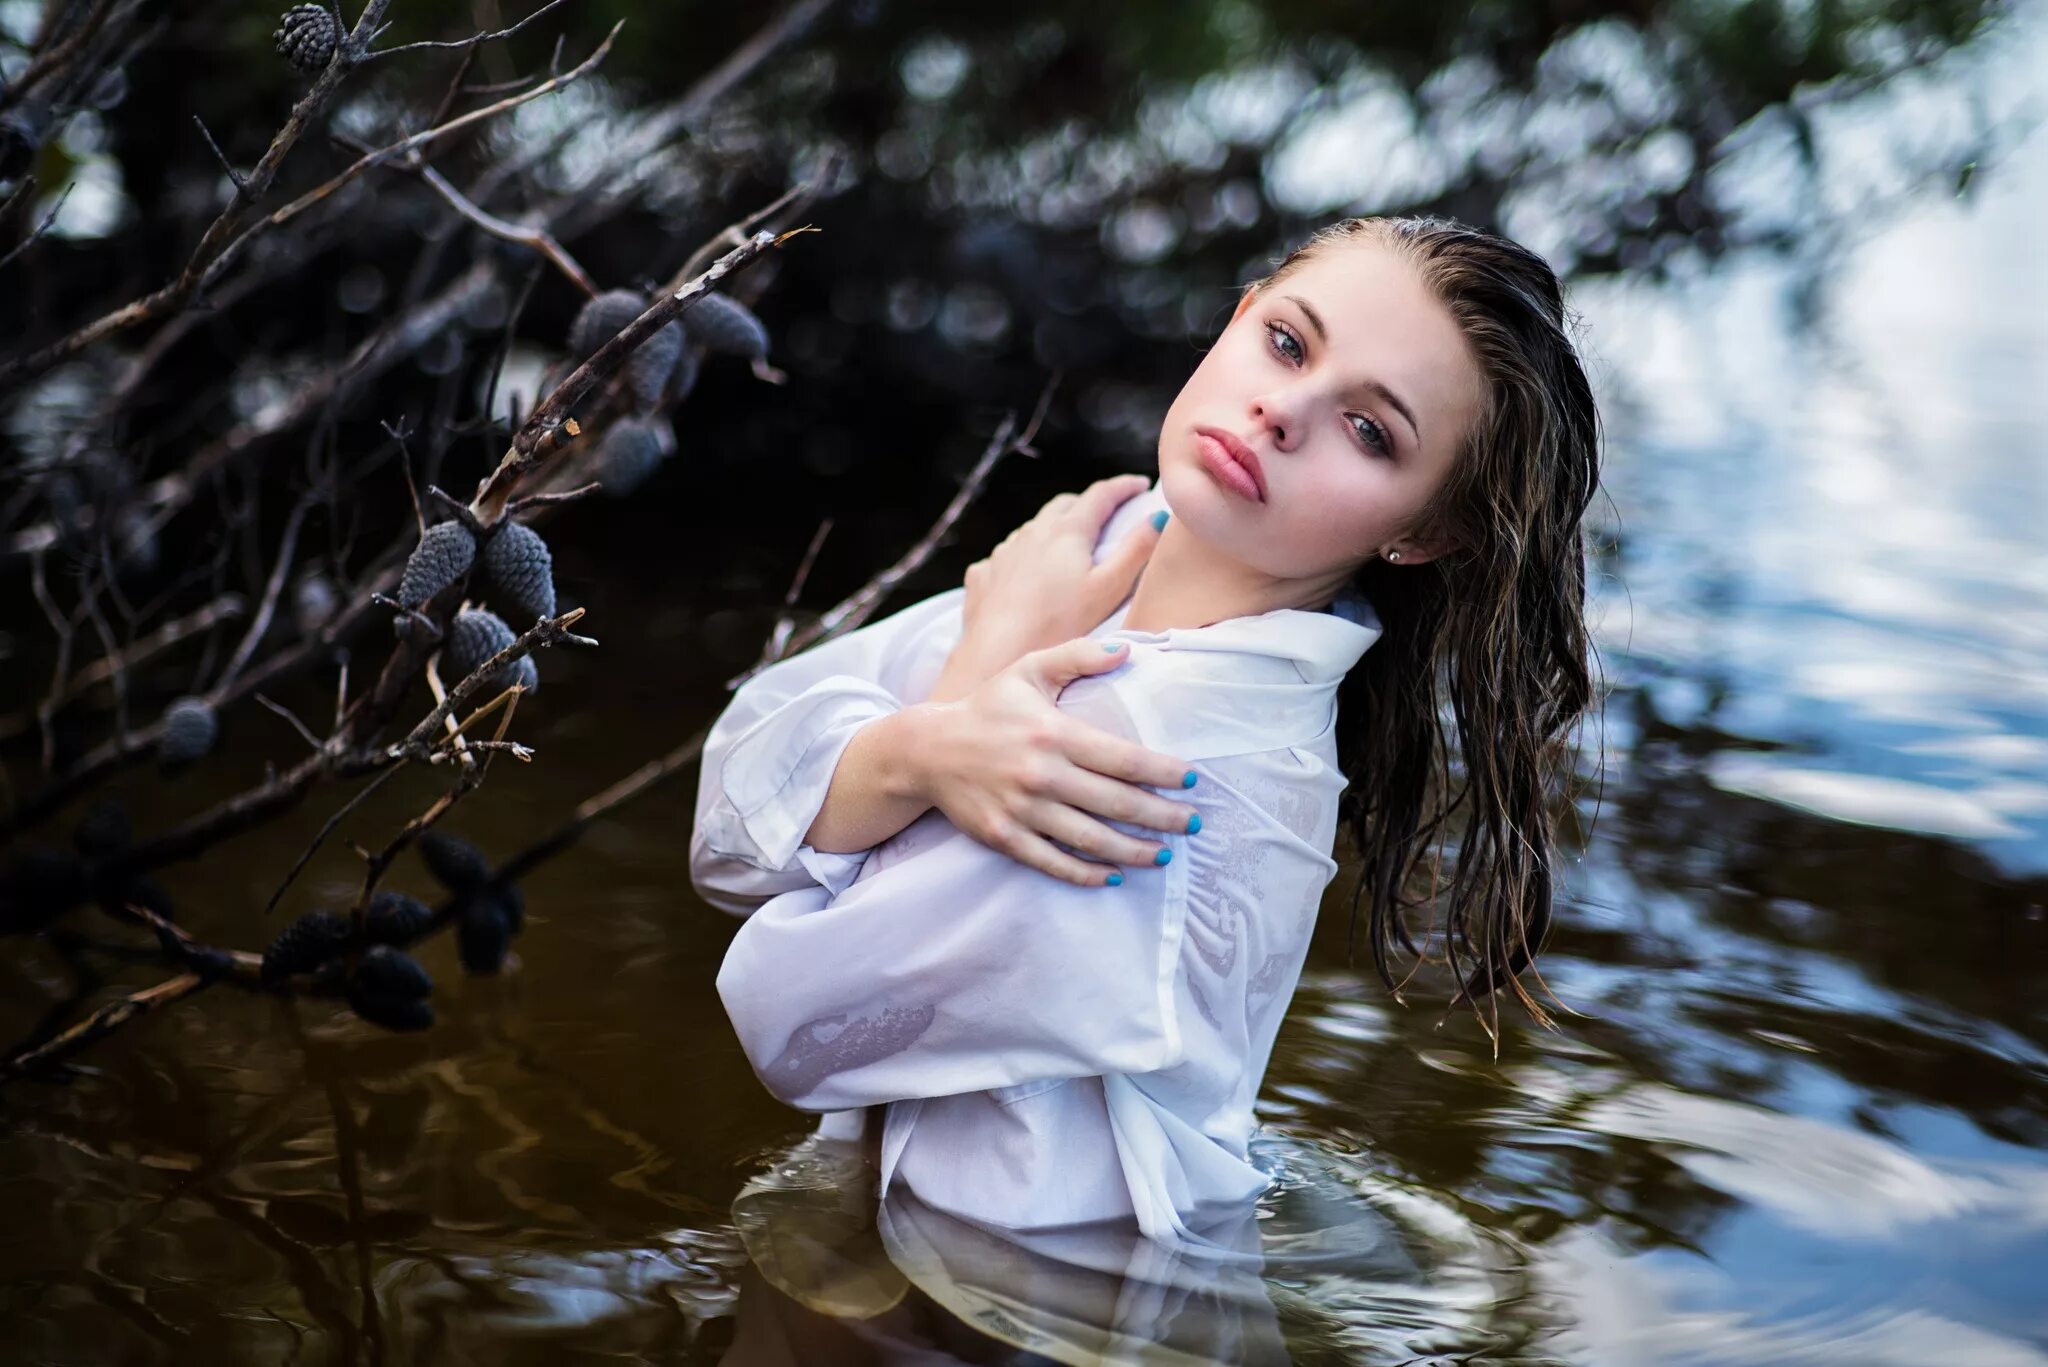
1801,1120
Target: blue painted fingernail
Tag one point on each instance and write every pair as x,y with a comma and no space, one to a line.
1194,823
1189,781
1112,646
1159,520
1115,880
1163,857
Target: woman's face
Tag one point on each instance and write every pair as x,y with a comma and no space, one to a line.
1353,390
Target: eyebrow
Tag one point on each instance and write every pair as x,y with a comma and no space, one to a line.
1386,395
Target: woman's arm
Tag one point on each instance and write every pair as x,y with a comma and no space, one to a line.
770,756
1048,581
1009,768
957,969
793,790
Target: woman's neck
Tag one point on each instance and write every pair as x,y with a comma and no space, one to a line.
1186,584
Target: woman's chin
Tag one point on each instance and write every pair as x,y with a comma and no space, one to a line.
1197,498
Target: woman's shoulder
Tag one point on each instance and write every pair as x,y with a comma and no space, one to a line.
1204,695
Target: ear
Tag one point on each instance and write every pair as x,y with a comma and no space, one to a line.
1244,302
1420,551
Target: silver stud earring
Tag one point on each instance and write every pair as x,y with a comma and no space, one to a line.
1393,555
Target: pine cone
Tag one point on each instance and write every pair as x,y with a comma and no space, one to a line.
648,368
453,861
306,36
390,973
511,901
305,944
389,988
483,935
474,637
104,830
628,454
443,556
725,325
601,319
683,378
392,918
190,729
41,886
145,892
404,1014
521,570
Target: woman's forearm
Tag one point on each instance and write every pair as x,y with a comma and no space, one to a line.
973,663
878,787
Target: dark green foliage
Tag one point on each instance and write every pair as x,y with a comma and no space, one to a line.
453,861
40,886
305,944
521,571
389,988
601,319
306,36
190,729
718,323
393,918
650,365
474,637
444,554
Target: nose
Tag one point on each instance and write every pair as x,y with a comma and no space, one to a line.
1274,414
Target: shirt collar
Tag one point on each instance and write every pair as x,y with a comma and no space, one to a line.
1246,683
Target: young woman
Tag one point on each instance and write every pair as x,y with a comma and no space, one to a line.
1030,868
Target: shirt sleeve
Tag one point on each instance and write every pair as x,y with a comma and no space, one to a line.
947,967
769,758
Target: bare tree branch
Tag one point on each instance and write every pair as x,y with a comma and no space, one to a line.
218,234
41,228
224,608
469,42
549,428
241,182
287,550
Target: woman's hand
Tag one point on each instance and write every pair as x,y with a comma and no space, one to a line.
1010,769
1041,585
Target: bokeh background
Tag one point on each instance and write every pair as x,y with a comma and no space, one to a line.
1802,1118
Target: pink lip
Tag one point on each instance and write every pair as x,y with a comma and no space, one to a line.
1238,452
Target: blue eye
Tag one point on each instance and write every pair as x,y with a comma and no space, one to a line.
1374,434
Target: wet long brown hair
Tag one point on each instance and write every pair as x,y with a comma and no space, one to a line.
1453,728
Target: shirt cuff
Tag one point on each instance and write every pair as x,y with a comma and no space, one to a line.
776,776
833,872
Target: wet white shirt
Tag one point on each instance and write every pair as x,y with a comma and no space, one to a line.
1045,1053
